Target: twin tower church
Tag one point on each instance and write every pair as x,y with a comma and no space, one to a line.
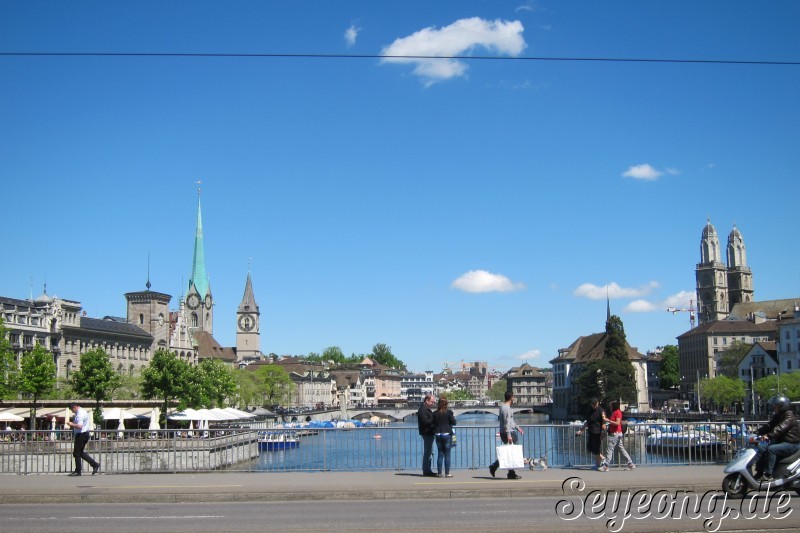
721,286
189,331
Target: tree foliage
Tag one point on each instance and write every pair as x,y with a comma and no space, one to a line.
8,365
721,391
37,376
382,354
670,373
218,383
459,394
169,379
275,385
616,342
96,379
728,359
612,377
247,388
787,384
498,390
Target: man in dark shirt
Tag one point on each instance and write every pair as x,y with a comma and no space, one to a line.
426,431
595,424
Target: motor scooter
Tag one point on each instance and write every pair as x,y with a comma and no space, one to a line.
739,478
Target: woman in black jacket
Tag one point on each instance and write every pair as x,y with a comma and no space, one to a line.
443,429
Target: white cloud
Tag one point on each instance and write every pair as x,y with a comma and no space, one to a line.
679,300
530,354
613,290
482,281
640,306
642,172
672,171
458,39
351,34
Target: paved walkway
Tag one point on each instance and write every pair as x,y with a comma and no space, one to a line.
284,486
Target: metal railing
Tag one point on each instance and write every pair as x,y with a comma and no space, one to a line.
356,449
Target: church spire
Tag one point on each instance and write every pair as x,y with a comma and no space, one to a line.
199,276
248,300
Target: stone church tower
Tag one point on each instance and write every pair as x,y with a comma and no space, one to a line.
719,287
248,324
740,278
199,302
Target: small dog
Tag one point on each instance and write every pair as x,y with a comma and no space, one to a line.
534,462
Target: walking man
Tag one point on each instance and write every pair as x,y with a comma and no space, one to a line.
80,434
426,431
508,432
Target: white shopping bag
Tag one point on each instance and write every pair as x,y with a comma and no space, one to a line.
510,456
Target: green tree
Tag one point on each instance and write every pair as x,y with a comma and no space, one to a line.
459,394
611,377
275,385
247,388
333,353
217,381
130,388
382,354
96,379
37,376
670,373
168,379
721,391
498,390
728,359
8,365
787,384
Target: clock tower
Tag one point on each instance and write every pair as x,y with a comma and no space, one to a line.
248,336
199,302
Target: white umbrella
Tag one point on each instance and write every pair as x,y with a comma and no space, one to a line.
67,416
116,413
121,426
154,414
8,416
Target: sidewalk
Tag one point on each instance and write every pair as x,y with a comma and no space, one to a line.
380,485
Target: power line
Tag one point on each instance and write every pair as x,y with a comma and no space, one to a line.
412,57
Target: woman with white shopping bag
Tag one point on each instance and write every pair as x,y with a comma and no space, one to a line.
509,432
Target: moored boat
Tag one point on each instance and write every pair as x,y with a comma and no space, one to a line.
277,441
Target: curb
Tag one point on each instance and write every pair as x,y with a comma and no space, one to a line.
368,495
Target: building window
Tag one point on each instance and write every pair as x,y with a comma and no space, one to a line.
194,320
68,370
141,319
788,364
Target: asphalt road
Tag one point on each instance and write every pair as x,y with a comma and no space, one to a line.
440,515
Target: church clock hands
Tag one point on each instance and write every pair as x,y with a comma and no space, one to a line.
193,301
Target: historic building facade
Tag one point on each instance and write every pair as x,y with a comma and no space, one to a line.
720,286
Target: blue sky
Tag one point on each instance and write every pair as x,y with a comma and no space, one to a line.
452,209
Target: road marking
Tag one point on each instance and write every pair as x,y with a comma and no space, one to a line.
167,486
513,481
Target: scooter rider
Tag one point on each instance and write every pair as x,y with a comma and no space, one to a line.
780,437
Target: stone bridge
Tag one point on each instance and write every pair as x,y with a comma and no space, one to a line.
402,413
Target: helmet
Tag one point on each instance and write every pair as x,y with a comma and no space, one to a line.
781,401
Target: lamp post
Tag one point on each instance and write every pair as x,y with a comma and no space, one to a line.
752,391
699,409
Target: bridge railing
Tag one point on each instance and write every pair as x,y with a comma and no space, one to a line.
356,449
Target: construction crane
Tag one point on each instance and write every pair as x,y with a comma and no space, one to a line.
690,310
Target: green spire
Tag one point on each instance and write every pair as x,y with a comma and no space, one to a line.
199,276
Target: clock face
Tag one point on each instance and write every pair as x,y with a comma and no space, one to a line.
208,302
246,322
193,301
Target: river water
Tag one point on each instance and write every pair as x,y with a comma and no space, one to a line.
399,447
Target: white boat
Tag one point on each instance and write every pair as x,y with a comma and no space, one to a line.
277,441
662,441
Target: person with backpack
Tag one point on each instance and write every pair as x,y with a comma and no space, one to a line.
616,430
